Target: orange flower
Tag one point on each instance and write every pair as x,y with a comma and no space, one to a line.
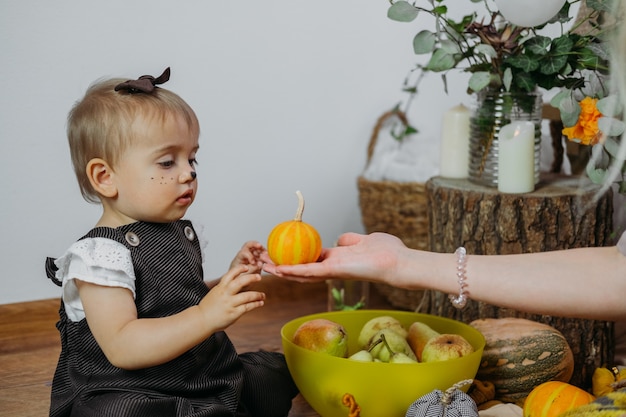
586,130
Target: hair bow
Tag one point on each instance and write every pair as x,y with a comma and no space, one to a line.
144,84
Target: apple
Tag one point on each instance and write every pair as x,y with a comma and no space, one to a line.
322,335
446,346
418,335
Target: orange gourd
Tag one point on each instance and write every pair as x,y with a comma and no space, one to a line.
553,398
294,241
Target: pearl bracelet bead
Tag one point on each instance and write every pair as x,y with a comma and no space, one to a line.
461,262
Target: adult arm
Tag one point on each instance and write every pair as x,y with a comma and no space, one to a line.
585,282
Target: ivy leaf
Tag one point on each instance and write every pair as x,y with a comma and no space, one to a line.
567,69
561,45
563,14
424,42
402,11
525,81
523,62
553,64
539,45
588,59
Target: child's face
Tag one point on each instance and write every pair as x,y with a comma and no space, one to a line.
155,176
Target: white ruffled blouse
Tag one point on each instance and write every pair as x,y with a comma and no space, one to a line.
99,261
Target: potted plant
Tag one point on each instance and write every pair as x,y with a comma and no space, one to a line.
512,61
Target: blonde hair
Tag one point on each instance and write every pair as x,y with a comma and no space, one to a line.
101,124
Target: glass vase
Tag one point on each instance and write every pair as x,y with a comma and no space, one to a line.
494,109
347,295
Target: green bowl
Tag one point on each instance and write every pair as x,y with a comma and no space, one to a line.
380,389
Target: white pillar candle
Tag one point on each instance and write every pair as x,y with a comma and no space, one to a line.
516,157
454,159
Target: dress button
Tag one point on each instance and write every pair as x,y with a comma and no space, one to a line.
189,233
132,239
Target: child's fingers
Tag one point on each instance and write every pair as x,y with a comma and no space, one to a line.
251,299
243,280
233,273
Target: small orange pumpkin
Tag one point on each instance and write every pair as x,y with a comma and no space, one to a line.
553,398
294,241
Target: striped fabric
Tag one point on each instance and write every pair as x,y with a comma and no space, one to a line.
208,380
431,405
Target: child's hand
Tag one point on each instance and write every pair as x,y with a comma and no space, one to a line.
226,302
249,254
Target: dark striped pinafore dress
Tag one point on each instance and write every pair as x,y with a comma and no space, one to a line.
209,380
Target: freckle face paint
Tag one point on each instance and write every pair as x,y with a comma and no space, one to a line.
193,175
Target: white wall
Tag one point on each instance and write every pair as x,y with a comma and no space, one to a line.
286,92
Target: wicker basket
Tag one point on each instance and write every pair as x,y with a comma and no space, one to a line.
397,208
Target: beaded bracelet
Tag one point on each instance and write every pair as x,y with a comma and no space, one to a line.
461,262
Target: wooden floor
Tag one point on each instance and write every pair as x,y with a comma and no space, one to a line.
29,342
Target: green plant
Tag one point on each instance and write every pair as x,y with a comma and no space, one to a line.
502,56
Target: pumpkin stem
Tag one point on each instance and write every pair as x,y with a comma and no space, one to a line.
300,210
447,396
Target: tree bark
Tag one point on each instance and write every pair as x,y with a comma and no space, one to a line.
560,214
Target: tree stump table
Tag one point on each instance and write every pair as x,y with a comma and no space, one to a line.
559,214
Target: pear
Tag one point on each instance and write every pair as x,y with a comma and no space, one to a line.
445,347
418,335
392,342
362,356
322,335
400,357
372,327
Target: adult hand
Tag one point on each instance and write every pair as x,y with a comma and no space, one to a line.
356,256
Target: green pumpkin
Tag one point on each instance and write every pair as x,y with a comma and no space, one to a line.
521,354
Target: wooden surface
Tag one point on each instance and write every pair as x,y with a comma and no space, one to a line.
559,214
29,342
